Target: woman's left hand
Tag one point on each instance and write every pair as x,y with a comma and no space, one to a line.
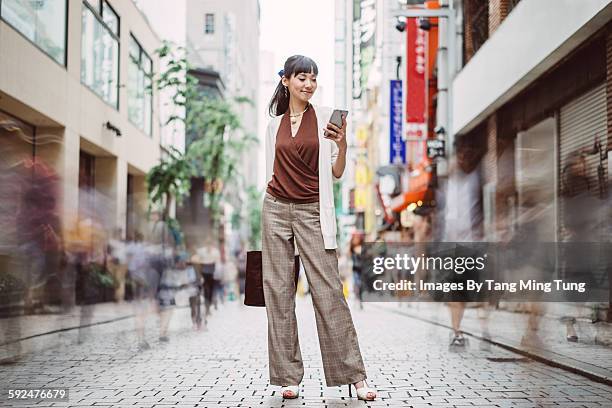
338,135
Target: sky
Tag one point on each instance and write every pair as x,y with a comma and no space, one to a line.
303,27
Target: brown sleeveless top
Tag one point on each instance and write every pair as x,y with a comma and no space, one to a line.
295,175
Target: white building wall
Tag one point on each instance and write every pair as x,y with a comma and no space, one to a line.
37,90
533,38
161,14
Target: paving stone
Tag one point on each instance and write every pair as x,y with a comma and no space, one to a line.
407,360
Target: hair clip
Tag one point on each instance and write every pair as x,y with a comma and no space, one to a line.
281,73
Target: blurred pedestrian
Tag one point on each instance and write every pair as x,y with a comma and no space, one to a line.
583,221
219,278
355,252
194,290
231,279
463,218
38,230
116,263
207,257
241,271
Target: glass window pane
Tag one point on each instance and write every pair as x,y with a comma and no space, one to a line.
110,18
147,65
209,23
134,50
95,4
41,21
134,107
99,58
148,105
139,89
132,91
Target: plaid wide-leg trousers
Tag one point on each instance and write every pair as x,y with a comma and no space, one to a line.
342,362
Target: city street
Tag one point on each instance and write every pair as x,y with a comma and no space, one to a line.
408,361
446,163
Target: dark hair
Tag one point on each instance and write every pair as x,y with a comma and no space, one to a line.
294,65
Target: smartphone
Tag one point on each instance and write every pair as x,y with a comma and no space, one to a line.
336,118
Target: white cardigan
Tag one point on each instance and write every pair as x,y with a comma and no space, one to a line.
328,153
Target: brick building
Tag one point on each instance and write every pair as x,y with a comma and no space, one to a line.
536,85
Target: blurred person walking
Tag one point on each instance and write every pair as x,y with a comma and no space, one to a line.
219,278
583,221
241,271
145,278
38,231
231,279
304,153
142,283
463,218
207,257
422,228
194,291
116,263
355,252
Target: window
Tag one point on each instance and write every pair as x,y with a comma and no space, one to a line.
209,23
140,87
95,4
100,51
41,21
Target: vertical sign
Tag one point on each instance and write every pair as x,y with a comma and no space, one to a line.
416,122
364,43
397,151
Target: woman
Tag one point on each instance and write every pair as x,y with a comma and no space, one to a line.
303,153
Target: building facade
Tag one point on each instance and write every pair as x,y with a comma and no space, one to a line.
542,106
224,36
536,91
76,97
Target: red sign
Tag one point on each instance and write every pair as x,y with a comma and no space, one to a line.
415,75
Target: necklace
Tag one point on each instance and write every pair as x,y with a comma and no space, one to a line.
294,117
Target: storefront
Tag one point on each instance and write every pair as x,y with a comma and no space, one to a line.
583,175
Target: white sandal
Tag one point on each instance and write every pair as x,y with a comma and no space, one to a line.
362,393
290,391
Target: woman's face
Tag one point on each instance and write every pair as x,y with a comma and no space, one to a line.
301,86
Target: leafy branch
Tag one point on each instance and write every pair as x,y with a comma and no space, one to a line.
216,139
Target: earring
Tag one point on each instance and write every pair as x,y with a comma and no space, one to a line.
285,91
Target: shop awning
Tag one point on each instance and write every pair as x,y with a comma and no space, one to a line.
418,187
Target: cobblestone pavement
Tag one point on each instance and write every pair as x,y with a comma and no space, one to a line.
510,329
407,360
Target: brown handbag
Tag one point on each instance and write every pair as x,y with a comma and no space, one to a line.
253,287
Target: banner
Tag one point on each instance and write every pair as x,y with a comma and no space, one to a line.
397,146
416,105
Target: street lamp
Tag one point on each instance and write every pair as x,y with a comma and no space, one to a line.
400,25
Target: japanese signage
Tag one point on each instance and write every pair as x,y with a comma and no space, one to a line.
415,81
362,180
397,150
364,43
435,148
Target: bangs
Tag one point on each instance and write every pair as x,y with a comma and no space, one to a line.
304,65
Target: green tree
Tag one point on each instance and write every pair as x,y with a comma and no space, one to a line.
214,154
216,138
169,179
